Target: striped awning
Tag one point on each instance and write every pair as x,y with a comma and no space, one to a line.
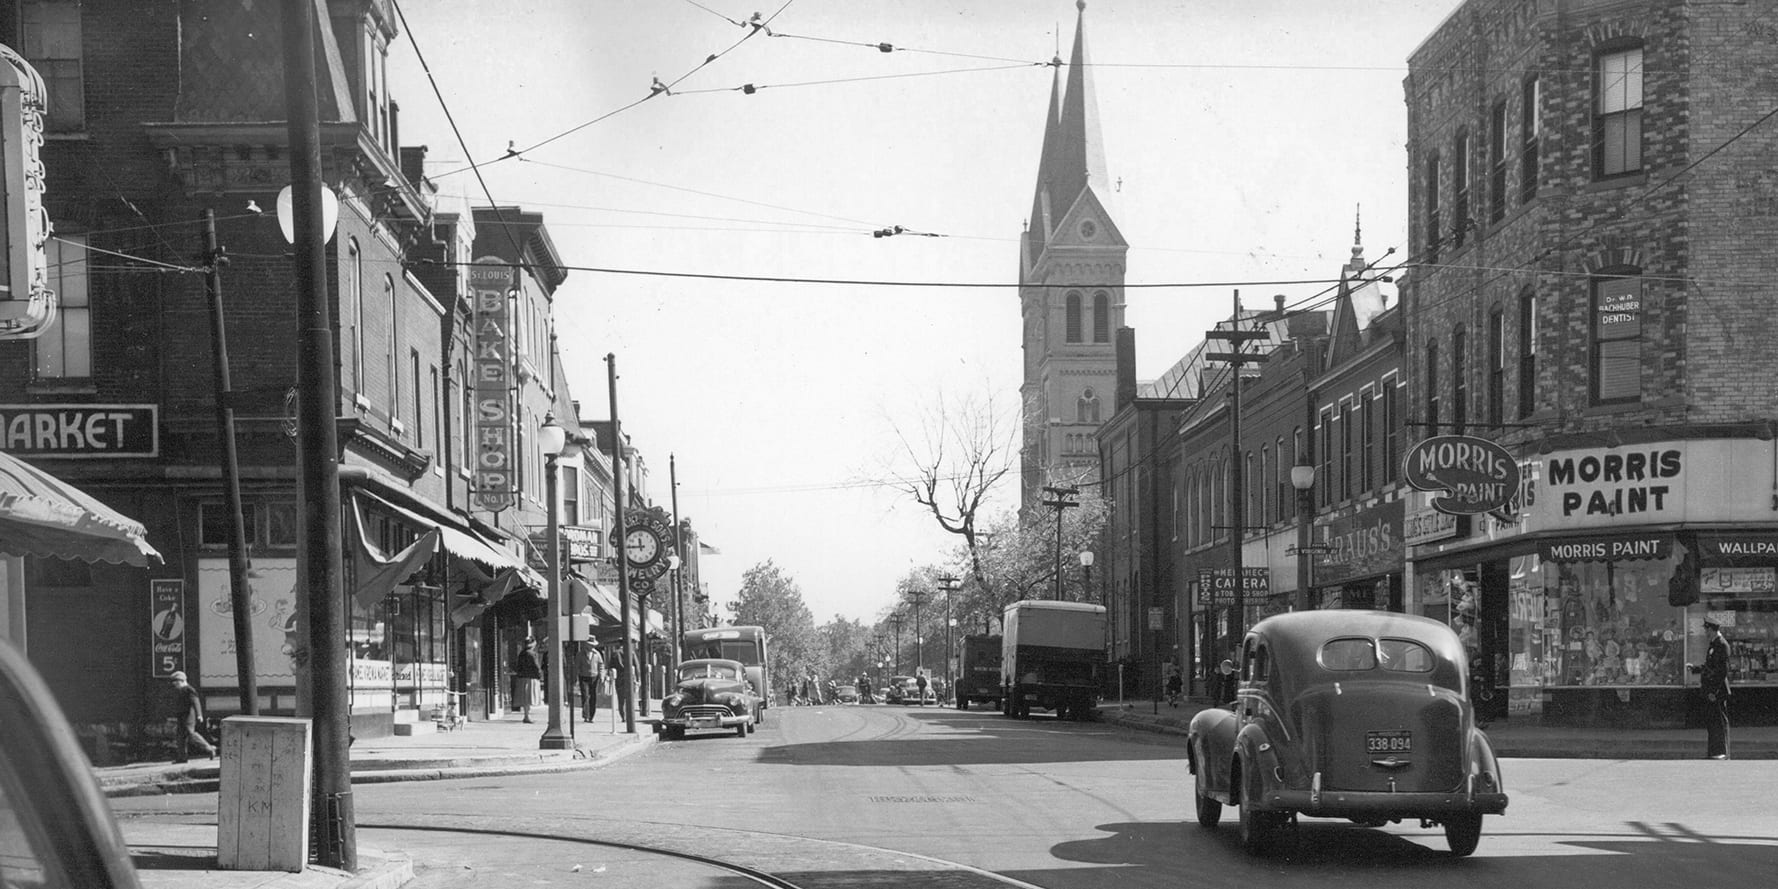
41,515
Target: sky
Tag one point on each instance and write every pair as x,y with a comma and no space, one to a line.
1241,136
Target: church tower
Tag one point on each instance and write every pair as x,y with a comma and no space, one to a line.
1071,293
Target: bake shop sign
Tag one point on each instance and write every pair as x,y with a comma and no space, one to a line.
1470,476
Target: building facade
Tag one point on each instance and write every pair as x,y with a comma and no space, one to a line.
1591,207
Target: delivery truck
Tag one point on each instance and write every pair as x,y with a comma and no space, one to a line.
1052,656
978,674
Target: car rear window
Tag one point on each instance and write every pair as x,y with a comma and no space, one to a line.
1359,653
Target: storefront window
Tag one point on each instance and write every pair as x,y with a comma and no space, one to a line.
1617,627
1749,616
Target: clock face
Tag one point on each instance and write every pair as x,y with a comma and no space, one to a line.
641,546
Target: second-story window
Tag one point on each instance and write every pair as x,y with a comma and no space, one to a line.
1072,322
1496,367
353,291
1101,318
1617,339
1527,353
1348,453
65,350
1367,441
1432,399
49,35
1324,474
1617,120
419,415
1459,380
1392,428
390,367
570,495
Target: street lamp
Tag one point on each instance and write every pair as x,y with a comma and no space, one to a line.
897,620
1086,570
673,563
553,440
948,583
1302,478
918,597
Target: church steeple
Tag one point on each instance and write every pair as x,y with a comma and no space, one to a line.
1073,157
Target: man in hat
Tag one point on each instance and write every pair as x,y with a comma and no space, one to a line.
1713,681
190,708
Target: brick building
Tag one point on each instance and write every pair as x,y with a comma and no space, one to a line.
1592,208
159,114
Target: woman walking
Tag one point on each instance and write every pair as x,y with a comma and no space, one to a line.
527,678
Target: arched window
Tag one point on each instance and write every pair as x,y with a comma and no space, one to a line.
1432,400
354,291
1459,379
1087,406
389,356
1527,353
1101,318
1072,321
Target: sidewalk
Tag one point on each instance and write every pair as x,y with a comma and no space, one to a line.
1517,737
172,854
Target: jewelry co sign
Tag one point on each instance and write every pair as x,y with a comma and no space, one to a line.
80,430
1473,476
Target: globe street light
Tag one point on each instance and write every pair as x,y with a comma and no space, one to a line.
552,439
1086,568
1302,478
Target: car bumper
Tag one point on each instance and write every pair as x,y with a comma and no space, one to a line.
694,724
1350,804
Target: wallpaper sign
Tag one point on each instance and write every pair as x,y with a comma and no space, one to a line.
494,478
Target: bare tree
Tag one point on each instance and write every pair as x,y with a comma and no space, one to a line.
952,463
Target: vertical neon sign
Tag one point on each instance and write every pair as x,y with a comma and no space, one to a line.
490,280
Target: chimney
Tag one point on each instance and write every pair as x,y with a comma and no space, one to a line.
1126,367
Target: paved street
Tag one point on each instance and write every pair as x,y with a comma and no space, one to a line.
867,796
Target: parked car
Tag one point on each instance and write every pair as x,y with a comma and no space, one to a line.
1363,715
712,693
845,694
56,829
906,690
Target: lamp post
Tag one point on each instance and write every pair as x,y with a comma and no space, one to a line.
1302,478
948,583
1086,570
552,439
918,597
897,619
673,563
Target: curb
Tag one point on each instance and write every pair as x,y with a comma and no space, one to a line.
393,873
408,770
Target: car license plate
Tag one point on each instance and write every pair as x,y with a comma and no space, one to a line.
1388,742
711,722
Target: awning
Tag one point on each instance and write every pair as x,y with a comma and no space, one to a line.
603,601
461,543
41,515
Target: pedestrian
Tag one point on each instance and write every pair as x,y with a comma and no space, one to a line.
1713,681
1175,682
589,668
922,683
620,664
190,706
527,678
1225,679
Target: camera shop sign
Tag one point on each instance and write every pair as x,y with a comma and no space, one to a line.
1709,480
1217,585
1471,476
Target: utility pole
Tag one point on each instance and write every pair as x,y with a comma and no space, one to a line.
918,598
1059,503
897,619
1236,357
321,607
678,615
240,594
627,693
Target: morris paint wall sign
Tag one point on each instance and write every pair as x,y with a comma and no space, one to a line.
1472,476
1658,482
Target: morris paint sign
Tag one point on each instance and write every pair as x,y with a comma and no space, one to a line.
1472,476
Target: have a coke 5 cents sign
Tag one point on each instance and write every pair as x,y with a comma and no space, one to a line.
1474,475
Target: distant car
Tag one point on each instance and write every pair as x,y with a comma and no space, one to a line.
901,690
712,693
56,829
1362,715
845,694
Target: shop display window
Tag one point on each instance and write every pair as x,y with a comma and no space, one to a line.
1616,626
1749,623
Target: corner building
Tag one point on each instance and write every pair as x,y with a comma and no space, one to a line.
1591,213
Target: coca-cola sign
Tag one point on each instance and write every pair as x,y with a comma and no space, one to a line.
1472,476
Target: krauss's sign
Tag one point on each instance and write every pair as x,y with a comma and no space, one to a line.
1473,476
1360,545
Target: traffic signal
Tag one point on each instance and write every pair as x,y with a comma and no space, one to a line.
27,306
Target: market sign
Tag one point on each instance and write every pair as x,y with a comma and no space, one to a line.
490,280
1473,476
80,430
1217,585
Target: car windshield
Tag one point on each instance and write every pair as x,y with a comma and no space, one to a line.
708,671
1359,653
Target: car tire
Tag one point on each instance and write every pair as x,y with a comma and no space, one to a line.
1462,833
1209,810
673,733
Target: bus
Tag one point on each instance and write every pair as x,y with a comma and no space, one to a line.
744,644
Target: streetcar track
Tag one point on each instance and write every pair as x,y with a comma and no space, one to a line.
758,876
